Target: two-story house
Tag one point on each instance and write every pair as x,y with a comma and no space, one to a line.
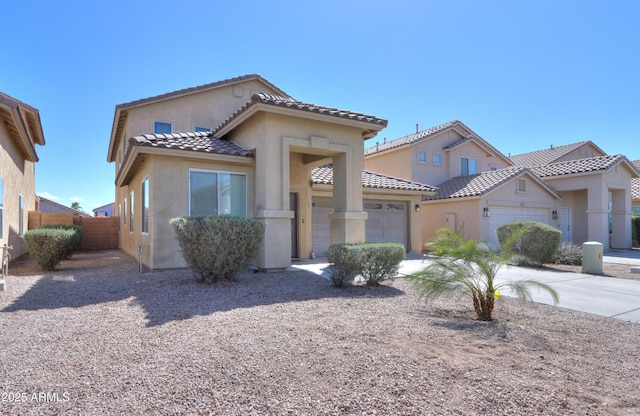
575,188
20,132
242,146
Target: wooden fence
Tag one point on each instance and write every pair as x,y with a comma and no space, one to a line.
98,233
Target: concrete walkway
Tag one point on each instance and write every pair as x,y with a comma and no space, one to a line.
599,295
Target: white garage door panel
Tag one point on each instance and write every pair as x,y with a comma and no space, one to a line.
503,215
386,222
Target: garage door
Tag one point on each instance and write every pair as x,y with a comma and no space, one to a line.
503,215
387,222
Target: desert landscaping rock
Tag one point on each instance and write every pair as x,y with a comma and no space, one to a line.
98,337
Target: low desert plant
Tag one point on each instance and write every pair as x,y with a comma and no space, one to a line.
375,262
344,262
218,247
469,268
537,241
76,242
569,253
49,246
380,261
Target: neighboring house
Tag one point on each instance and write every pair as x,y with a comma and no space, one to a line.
576,188
635,191
47,206
20,132
104,211
242,146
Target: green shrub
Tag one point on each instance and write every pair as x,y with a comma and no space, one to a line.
345,263
49,246
76,242
537,241
218,247
376,262
380,261
570,254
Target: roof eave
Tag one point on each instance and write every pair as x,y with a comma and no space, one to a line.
135,152
369,129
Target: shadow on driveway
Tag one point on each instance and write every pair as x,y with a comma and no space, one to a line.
100,277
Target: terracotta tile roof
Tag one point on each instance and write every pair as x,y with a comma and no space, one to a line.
198,88
324,176
480,184
591,164
409,139
195,142
545,156
288,102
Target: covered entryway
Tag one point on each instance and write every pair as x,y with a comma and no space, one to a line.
387,221
503,215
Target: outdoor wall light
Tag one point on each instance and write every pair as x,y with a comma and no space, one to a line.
486,212
417,207
554,214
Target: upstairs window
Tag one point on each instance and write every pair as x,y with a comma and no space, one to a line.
160,127
202,129
422,157
468,166
437,158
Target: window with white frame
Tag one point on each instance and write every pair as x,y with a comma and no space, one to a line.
21,215
144,218
124,212
119,215
437,158
161,127
217,193
131,211
468,166
422,157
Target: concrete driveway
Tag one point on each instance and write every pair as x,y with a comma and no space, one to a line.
599,295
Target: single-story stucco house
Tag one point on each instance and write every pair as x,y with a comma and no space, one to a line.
577,188
243,146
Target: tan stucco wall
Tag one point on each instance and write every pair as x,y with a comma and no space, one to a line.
595,215
466,216
169,198
18,176
404,163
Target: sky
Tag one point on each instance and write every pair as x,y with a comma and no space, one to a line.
523,75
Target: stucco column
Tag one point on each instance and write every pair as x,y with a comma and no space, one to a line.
348,219
621,218
598,213
272,207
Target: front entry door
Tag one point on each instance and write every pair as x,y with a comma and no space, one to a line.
293,206
565,224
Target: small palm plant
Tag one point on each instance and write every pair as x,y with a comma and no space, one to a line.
469,267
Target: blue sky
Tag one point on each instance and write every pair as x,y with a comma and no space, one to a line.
523,75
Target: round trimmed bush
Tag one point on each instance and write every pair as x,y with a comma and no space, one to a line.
218,247
537,241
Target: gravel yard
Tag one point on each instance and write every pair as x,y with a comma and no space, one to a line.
98,337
